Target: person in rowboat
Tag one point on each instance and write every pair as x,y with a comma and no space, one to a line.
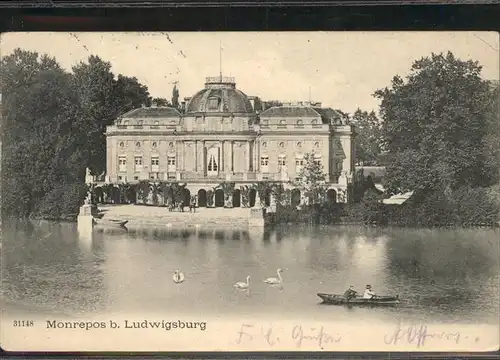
350,293
369,293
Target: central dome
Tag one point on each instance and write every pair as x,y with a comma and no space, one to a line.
220,95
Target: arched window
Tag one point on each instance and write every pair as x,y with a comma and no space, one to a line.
300,123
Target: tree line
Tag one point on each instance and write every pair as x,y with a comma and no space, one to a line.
54,124
436,133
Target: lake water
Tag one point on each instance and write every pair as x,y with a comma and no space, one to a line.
449,276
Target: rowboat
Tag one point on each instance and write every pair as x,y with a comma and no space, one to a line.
334,299
110,222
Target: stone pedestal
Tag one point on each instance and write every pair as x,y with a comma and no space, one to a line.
86,221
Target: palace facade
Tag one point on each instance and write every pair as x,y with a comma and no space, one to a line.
222,135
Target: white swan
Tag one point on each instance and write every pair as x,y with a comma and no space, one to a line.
243,285
178,277
275,281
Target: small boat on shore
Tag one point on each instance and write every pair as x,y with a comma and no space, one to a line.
334,299
110,222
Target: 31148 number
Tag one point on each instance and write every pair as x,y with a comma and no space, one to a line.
23,323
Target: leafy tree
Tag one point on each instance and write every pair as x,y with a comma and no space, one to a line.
434,126
41,138
368,140
102,99
492,137
160,101
311,180
128,94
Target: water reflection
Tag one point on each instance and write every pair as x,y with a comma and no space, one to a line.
441,274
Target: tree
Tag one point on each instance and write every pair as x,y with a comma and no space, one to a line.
368,140
434,126
102,99
160,101
492,138
175,97
311,180
42,149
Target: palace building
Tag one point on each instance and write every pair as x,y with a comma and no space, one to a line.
222,135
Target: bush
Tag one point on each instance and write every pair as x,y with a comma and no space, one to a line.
463,207
370,210
61,203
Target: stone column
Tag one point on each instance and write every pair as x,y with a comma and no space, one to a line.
231,156
247,156
222,165
195,152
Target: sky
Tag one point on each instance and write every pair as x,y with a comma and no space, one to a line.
340,69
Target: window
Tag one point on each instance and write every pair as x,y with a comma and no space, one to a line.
138,144
125,122
157,122
154,144
265,123
122,163
282,124
282,144
136,177
139,125
299,144
317,161
315,123
138,162
212,164
122,144
171,163
281,162
154,176
316,144
300,123
264,164
213,104
264,144
299,163
155,164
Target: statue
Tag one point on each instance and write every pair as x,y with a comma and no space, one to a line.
88,198
257,200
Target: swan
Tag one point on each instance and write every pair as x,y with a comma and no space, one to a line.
243,285
273,280
178,277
